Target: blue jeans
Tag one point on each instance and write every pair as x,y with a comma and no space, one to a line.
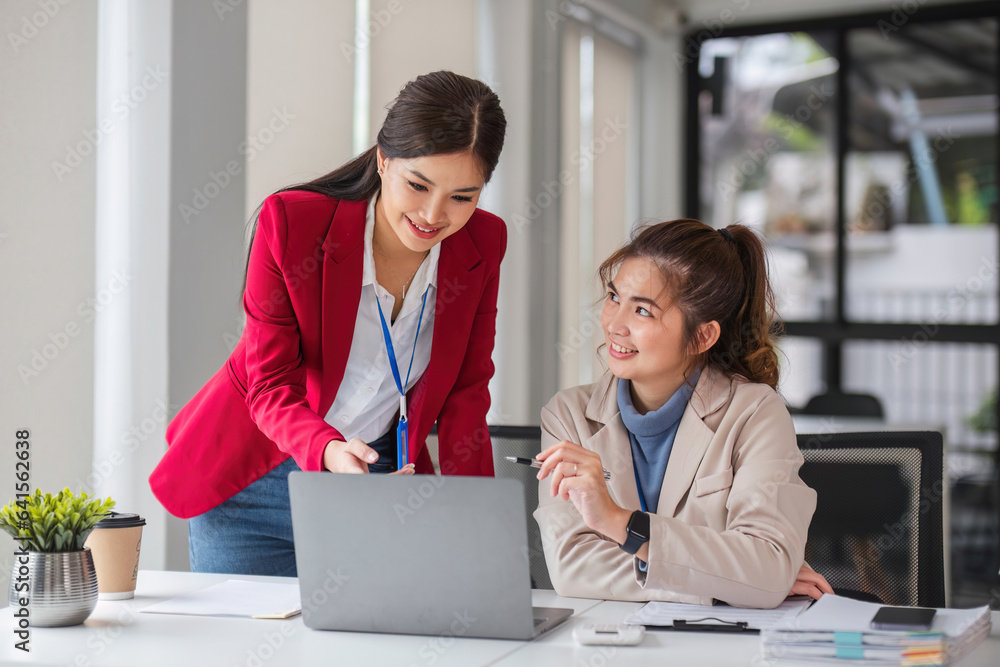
251,533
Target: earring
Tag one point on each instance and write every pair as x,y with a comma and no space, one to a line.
380,171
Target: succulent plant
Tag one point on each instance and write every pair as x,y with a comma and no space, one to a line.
47,523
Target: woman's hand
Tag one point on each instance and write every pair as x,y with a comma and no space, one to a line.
810,582
578,476
354,456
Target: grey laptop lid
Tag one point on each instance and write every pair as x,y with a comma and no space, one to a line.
415,554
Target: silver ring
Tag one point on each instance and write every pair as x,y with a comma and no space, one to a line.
576,466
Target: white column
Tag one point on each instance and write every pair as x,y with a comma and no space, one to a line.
132,235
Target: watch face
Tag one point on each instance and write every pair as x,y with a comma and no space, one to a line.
638,525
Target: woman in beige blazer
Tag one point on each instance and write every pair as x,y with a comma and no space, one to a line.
722,514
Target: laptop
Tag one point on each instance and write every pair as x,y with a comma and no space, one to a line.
415,554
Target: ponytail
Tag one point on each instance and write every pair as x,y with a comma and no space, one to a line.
753,328
718,275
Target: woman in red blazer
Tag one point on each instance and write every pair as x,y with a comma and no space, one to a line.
309,385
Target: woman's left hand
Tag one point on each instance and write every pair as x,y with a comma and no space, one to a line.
578,476
810,582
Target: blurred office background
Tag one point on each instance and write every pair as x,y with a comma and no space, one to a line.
858,136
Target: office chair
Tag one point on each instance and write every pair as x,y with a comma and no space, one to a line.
839,404
878,526
523,441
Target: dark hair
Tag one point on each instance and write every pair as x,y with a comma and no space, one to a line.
435,114
716,275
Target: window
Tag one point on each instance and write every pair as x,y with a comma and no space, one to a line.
865,150
596,178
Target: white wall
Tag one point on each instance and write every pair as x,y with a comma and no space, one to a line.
421,36
208,131
48,75
299,61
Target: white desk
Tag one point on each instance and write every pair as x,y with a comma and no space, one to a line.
666,647
117,635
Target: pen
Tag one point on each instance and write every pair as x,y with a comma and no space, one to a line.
725,626
535,463
697,626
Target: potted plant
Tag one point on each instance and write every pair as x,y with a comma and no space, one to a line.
53,576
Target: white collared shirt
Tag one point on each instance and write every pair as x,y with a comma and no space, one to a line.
367,401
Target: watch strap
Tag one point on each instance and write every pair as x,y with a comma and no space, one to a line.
638,532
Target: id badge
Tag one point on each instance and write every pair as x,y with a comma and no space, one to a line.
401,448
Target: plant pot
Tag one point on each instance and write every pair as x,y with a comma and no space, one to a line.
62,587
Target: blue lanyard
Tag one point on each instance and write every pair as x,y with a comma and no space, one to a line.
638,485
401,436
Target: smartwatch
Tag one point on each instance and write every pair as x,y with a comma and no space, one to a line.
638,532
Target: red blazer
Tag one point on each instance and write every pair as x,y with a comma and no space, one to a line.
303,289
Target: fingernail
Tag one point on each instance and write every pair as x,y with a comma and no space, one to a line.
372,457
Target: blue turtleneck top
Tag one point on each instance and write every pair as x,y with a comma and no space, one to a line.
652,436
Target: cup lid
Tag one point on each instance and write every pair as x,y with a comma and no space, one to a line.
121,520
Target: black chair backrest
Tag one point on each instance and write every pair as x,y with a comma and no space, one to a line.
878,526
523,441
838,404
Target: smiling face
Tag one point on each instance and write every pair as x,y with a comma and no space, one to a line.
644,333
426,199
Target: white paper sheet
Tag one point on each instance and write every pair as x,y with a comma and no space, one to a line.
958,630
235,597
665,613
834,612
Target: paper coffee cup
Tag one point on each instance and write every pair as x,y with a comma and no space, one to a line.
114,544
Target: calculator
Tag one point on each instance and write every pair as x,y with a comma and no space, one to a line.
609,634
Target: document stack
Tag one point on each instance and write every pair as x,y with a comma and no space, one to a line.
839,629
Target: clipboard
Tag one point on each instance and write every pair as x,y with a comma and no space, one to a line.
683,617
698,625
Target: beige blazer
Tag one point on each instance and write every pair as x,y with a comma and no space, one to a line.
733,514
